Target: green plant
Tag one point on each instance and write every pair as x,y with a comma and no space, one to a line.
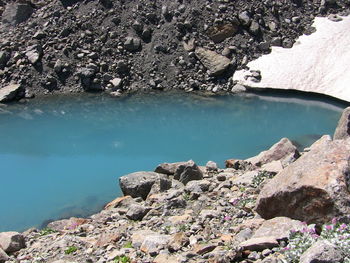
122,259
46,231
186,196
184,227
128,244
336,233
70,250
261,177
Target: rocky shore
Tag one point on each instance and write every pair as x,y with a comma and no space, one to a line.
279,206
117,46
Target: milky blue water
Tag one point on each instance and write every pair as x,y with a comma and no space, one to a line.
61,156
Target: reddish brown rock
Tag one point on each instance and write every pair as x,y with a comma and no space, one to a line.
221,32
313,188
123,201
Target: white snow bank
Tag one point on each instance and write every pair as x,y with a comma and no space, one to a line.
317,63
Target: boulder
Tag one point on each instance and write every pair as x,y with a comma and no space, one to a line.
139,184
139,236
215,63
152,244
34,53
197,186
211,166
16,13
259,244
221,32
188,171
343,129
278,227
67,224
124,201
11,241
137,212
132,44
322,251
10,92
3,256
283,151
168,168
314,188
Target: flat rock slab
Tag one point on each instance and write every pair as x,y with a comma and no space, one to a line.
317,63
259,244
9,92
278,227
215,63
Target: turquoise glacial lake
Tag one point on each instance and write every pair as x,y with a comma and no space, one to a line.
61,156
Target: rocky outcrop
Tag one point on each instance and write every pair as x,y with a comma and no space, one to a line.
343,129
139,184
10,92
283,151
313,188
215,63
188,171
11,241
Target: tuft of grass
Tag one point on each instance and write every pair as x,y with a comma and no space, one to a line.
70,250
128,245
46,231
122,259
261,177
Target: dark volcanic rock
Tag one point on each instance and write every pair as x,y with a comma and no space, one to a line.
187,172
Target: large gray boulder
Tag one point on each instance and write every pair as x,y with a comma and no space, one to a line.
283,151
322,252
314,188
139,184
168,168
188,171
10,92
215,63
343,129
16,13
11,241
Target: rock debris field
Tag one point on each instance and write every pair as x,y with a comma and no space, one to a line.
62,46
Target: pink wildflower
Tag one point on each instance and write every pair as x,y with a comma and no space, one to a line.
227,218
342,226
329,227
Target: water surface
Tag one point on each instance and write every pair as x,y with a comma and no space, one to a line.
61,156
